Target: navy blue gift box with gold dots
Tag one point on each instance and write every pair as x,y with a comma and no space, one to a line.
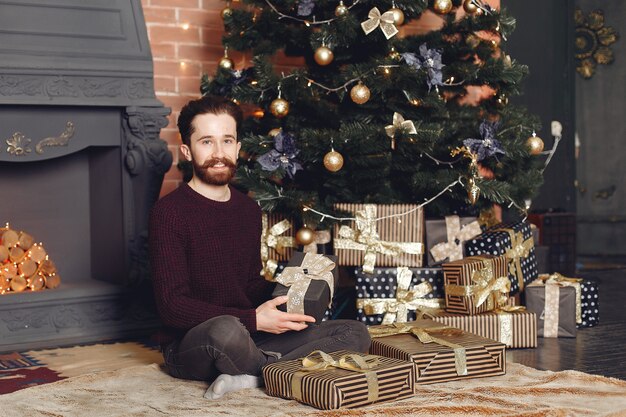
381,289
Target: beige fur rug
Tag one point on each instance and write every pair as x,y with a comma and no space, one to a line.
147,391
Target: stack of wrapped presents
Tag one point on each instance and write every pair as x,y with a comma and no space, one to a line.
443,299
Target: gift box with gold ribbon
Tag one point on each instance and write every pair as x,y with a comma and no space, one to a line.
557,305
446,237
309,280
382,235
552,296
277,243
398,294
340,379
513,240
476,284
512,325
440,353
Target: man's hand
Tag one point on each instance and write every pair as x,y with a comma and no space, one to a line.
272,320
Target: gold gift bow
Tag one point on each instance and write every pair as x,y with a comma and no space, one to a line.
270,238
520,248
321,237
564,281
385,21
298,279
424,336
396,309
486,288
321,361
455,233
366,239
399,124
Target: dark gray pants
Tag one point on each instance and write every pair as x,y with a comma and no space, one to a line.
222,345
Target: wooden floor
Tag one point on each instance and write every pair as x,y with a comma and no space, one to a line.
598,350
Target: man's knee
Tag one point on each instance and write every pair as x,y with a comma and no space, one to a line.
224,332
360,336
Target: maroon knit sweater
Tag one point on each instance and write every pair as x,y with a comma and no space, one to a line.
205,260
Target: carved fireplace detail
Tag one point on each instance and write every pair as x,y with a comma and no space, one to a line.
81,164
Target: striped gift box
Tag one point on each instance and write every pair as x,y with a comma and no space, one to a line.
334,388
459,273
407,228
287,238
516,329
436,363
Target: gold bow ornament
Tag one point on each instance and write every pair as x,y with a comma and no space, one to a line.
270,238
385,21
366,239
298,279
486,287
425,335
453,248
320,237
399,124
407,298
320,361
519,249
563,281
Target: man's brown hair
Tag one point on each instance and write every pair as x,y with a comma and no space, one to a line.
205,105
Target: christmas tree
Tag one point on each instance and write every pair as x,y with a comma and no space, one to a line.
376,113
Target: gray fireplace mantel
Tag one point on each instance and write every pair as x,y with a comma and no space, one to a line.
75,52
81,163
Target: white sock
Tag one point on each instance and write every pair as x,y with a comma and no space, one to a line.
227,383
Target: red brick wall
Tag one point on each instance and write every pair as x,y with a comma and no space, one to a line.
186,41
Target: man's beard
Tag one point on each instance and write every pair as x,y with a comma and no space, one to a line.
214,178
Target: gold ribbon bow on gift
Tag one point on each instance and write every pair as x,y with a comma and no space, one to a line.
298,279
425,335
366,239
453,248
486,287
399,124
270,238
321,361
321,237
385,21
563,281
397,310
520,248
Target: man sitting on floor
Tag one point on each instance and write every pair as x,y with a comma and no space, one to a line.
220,324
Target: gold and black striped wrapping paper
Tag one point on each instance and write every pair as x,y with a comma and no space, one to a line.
339,388
460,273
523,329
436,363
410,228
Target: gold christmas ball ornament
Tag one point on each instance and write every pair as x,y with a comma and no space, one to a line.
333,161
226,63
274,132
279,107
470,6
398,16
226,12
442,6
341,10
360,94
305,235
323,55
535,144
